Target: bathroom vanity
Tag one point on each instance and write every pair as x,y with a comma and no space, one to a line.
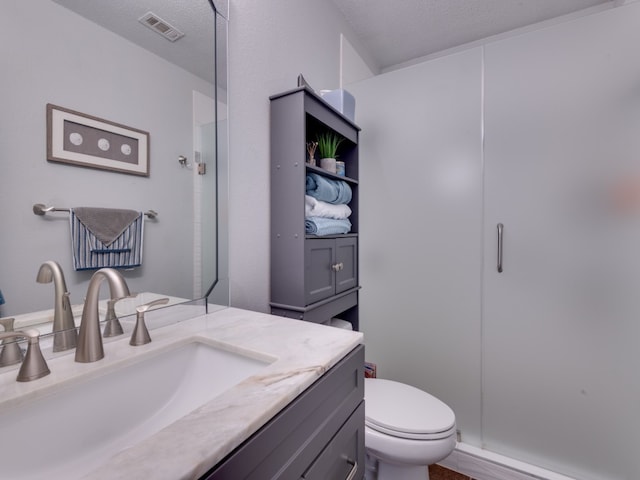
297,412
320,435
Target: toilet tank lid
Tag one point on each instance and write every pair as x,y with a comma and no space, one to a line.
402,408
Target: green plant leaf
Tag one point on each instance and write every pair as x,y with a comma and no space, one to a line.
328,143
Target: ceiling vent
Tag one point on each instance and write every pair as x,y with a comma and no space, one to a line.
158,25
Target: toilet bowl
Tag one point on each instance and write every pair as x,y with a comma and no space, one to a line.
406,430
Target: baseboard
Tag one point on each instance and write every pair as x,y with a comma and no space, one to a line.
481,464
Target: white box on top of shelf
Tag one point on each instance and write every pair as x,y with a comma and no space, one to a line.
342,101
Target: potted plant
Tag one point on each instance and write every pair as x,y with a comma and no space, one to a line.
328,143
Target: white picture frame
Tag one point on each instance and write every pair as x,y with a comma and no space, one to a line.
84,140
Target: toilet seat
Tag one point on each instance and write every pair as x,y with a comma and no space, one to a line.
404,411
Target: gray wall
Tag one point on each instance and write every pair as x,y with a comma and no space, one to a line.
270,43
51,55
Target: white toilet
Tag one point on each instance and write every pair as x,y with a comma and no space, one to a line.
406,430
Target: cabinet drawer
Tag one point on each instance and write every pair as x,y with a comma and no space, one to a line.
343,457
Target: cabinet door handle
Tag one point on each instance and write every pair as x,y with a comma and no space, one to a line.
354,469
337,267
500,233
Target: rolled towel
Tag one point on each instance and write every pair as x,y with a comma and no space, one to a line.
318,208
328,190
326,226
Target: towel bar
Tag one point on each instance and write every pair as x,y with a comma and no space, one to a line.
41,209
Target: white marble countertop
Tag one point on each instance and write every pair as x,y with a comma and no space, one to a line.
188,448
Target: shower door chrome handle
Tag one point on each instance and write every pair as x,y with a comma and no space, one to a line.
500,233
354,469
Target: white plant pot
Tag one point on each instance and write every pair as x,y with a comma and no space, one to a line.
328,164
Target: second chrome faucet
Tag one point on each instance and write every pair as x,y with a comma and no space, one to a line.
64,328
90,348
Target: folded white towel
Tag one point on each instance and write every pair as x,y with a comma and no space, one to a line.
318,208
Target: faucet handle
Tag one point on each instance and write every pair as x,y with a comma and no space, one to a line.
65,335
11,353
112,325
140,335
34,365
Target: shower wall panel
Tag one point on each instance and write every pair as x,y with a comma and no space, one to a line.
421,228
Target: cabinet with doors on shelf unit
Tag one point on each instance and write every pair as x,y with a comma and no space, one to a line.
313,277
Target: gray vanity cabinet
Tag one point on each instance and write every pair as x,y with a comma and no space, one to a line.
313,278
318,436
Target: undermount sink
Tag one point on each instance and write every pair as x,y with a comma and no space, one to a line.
77,426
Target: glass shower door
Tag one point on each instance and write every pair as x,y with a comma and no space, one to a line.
561,322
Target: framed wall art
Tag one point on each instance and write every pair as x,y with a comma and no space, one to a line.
84,140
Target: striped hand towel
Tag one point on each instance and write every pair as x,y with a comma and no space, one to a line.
106,237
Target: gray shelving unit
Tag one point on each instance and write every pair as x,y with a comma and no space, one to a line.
305,282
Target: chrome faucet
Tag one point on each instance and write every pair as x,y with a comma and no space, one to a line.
64,328
90,348
34,365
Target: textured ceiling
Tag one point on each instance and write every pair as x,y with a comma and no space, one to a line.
392,31
398,31
193,52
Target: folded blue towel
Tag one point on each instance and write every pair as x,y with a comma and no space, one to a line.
328,190
326,226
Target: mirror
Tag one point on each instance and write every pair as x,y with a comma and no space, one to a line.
98,59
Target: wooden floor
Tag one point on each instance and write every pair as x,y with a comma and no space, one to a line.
436,472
